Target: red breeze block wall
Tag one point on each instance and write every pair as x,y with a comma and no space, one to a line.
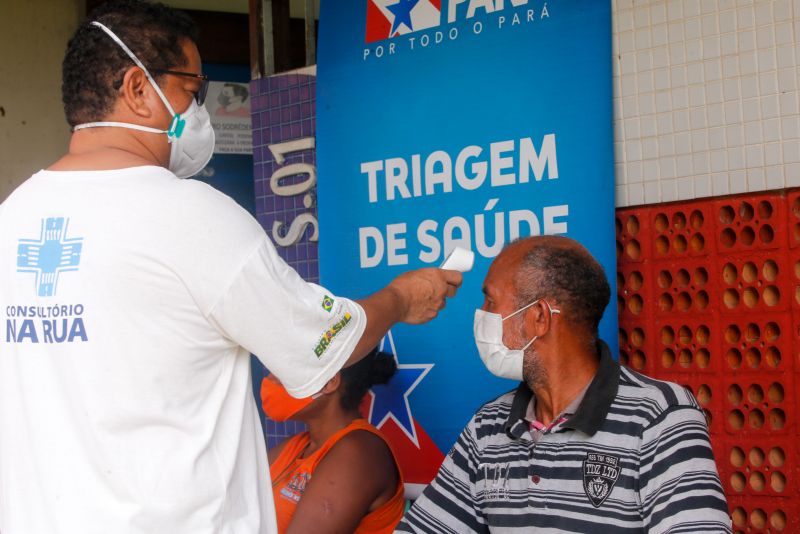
709,297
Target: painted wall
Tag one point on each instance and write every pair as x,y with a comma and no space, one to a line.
33,38
706,98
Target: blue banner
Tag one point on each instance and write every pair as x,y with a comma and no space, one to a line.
458,123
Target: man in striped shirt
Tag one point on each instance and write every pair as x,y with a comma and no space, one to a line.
582,444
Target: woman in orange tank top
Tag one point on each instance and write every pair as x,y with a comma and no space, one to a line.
340,475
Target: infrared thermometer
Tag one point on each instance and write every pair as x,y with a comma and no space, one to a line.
460,259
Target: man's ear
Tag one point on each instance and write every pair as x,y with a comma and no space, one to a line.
538,319
137,94
333,384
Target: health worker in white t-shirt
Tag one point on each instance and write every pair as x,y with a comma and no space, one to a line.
131,300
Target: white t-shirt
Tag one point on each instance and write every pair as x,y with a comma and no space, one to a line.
130,302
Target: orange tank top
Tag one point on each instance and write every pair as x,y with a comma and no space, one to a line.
291,474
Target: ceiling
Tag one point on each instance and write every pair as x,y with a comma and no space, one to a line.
296,7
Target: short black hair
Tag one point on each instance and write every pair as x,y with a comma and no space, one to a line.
375,368
94,64
562,269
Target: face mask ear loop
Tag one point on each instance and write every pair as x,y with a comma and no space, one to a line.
174,125
521,309
117,125
553,311
534,338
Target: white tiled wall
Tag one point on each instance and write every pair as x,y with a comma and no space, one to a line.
706,98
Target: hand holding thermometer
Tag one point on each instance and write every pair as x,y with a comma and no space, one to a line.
459,259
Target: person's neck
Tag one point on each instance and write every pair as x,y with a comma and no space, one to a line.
325,424
567,372
105,149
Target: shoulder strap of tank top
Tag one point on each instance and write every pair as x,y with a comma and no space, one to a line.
284,463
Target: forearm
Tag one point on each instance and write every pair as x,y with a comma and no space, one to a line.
414,297
382,309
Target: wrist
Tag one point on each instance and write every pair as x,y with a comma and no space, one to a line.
398,302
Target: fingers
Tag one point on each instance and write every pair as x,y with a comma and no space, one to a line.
451,291
453,278
445,284
426,292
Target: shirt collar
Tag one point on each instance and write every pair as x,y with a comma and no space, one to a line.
569,411
593,408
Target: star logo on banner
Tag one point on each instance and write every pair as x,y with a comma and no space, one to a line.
390,18
390,401
402,14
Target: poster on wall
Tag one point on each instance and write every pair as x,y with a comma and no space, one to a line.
228,104
445,123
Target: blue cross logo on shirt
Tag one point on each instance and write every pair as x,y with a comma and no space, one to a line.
50,255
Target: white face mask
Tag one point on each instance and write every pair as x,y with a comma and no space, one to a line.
499,359
190,134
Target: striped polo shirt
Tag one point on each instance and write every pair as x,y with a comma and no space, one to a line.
635,457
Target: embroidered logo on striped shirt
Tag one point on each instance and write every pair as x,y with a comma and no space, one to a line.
600,473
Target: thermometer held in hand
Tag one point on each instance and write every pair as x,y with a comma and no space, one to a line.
460,259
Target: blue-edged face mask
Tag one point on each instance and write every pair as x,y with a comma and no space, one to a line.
190,134
499,359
